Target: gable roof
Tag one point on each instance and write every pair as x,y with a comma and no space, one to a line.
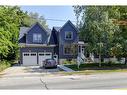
25,30
57,28
37,23
50,39
53,38
70,24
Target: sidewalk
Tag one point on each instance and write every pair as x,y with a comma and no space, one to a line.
65,68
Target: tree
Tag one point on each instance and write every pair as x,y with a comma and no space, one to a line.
5,44
11,19
98,29
32,18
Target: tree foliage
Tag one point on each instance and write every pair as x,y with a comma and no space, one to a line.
104,37
31,18
11,19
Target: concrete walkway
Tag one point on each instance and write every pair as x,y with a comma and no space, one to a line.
65,68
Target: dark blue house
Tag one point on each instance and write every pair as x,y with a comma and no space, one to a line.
37,44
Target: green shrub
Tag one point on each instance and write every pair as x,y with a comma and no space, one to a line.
4,64
69,61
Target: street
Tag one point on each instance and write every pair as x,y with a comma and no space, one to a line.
47,80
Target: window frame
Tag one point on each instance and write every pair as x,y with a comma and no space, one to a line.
37,40
64,50
66,35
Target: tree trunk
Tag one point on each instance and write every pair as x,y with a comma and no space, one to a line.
100,56
114,59
99,60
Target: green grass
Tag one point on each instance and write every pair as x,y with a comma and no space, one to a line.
4,65
95,66
92,68
89,72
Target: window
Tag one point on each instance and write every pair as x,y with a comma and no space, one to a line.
37,38
33,54
67,49
70,49
68,35
42,54
48,54
26,54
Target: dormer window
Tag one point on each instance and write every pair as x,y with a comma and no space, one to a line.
37,38
68,35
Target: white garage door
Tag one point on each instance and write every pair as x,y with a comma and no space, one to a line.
42,56
29,58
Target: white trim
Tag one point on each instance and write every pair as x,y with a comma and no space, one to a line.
35,45
71,35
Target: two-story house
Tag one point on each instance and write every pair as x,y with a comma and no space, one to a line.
37,44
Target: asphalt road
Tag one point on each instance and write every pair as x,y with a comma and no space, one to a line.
44,81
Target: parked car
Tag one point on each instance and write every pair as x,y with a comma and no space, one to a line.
49,63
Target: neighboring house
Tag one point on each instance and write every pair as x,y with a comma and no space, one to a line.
37,44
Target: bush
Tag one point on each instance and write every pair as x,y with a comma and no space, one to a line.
4,64
69,61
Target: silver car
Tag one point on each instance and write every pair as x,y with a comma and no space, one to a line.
49,63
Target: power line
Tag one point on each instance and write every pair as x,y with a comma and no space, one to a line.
55,19
58,20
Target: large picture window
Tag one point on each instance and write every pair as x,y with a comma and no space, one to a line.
68,35
37,38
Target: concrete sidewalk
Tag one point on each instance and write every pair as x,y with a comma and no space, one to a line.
65,68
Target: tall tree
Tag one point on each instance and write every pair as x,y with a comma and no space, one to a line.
98,28
11,18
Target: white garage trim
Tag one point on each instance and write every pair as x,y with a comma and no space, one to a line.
29,58
42,56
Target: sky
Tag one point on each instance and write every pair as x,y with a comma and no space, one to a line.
53,12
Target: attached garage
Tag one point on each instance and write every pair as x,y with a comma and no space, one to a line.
29,58
32,56
42,56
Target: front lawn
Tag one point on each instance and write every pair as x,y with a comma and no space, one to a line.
95,66
92,68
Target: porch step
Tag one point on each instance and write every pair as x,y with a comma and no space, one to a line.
65,68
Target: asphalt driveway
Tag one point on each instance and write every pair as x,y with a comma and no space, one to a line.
27,70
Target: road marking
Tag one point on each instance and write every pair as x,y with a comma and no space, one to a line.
44,83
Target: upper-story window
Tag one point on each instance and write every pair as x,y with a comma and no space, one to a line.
69,35
37,38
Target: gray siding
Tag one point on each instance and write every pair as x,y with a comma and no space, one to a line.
35,49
